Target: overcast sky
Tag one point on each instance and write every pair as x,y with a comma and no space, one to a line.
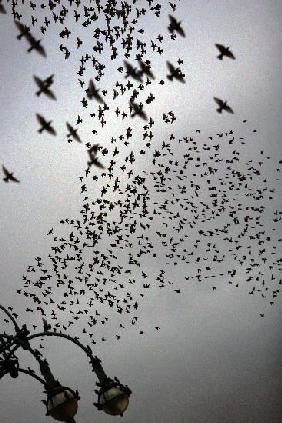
214,359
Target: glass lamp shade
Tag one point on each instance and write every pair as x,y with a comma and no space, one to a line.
114,401
62,405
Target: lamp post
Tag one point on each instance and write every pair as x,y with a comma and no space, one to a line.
61,402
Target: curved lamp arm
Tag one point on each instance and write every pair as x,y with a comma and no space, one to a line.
32,374
94,360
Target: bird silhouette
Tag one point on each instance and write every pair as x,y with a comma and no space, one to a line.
44,86
224,51
175,73
175,26
8,176
45,125
222,105
73,132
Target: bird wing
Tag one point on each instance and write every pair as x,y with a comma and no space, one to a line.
49,93
91,85
6,172
98,164
228,109
172,19
98,97
93,149
20,26
180,76
230,54
90,90
37,80
49,80
51,130
40,119
220,47
181,32
12,178
218,101
170,66
128,66
35,44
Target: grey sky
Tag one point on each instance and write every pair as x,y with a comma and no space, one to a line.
214,360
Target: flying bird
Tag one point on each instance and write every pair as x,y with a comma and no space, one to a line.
137,110
145,69
73,132
97,163
224,51
222,105
93,151
24,30
45,125
93,157
175,73
34,44
9,176
44,86
93,92
175,25
132,72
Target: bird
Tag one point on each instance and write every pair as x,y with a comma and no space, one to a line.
24,30
34,44
45,125
93,92
93,157
222,105
175,25
132,72
44,86
9,176
224,51
145,68
175,73
137,110
73,132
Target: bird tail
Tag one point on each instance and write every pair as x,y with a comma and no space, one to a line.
170,77
40,130
38,93
219,110
220,56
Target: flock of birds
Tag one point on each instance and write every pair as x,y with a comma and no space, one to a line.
191,208
135,109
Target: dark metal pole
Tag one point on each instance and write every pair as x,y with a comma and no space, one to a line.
32,374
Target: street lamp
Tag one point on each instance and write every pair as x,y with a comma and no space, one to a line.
113,399
61,402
